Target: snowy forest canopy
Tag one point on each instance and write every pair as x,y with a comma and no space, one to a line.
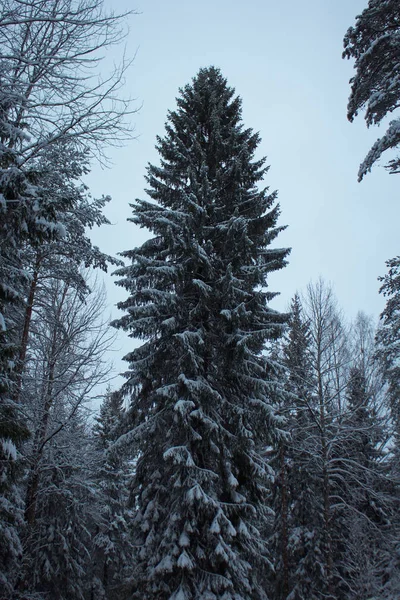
250,454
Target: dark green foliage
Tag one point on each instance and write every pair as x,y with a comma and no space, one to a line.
200,397
57,544
374,44
16,192
111,542
298,504
388,336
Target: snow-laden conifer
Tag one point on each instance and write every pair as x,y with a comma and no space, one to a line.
374,43
56,562
298,544
202,402
16,192
388,335
111,540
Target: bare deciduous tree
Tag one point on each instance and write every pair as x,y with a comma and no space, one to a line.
58,111
65,370
52,86
65,366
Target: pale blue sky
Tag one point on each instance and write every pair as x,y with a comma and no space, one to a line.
284,59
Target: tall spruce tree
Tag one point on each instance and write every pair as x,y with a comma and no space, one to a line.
202,400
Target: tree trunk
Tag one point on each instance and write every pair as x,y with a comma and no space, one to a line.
25,332
284,530
326,489
41,432
40,440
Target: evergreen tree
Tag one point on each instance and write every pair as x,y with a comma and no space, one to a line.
57,547
199,392
374,43
63,257
388,357
363,491
111,548
298,540
17,226
388,336
109,423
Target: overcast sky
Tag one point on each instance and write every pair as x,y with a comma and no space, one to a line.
284,60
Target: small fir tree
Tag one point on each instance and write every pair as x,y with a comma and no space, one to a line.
57,548
363,492
111,548
200,395
298,539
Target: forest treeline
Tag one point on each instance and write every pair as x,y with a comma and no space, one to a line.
250,454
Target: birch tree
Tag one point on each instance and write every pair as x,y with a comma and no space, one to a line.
65,367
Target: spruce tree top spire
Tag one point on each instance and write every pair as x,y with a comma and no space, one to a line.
207,123
200,395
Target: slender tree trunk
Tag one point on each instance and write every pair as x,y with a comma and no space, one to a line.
25,332
41,432
326,488
40,440
284,529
